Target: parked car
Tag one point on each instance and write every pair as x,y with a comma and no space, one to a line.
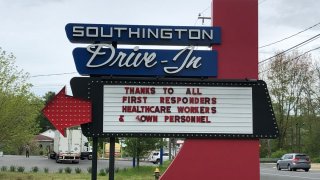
154,157
294,161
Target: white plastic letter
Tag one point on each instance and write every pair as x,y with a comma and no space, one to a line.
196,31
96,52
95,31
179,32
78,31
166,33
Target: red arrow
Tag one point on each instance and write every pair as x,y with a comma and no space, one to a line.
66,111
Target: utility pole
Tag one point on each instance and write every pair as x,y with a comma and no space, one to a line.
203,18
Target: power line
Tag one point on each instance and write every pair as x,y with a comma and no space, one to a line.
290,36
294,58
205,9
306,53
196,22
293,47
57,74
47,86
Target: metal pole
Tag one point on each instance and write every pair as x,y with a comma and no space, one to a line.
112,145
174,147
111,158
103,150
170,150
134,162
94,158
299,138
161,155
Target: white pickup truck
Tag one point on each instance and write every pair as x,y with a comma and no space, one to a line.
154,157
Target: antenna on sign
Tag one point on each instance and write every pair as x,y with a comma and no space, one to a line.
203,18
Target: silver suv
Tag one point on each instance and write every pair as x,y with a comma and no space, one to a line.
294,161
154,157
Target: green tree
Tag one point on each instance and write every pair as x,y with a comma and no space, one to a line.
312,111
18,106
291,81
139,147
44,123
311,141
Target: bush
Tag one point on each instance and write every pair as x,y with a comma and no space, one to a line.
117,170
46,170
60,170
278,153
102,172
35,169
67,170
77,170
4,168
107,170
315,160
12,168
89,169
20,169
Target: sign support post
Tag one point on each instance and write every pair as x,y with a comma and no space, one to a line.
94,158
111,158
112,143
241,44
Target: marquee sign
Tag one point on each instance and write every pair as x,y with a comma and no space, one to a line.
143,35
177,108
104,59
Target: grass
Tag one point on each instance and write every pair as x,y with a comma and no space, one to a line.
43,176
141,173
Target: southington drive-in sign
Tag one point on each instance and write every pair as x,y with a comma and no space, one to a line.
160,92
154,81
102,58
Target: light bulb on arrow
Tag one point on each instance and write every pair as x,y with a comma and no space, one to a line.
65,111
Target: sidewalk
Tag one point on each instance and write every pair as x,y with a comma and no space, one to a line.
315,166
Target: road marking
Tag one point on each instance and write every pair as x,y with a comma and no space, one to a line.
289,176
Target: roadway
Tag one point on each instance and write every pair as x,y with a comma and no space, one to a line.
43,162
267,171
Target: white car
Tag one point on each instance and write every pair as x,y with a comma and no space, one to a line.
154,157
